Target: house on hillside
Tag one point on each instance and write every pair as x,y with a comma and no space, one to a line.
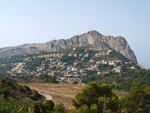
117,69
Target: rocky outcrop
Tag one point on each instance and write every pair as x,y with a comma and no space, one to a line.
93,38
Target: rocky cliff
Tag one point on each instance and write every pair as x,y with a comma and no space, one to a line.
93,38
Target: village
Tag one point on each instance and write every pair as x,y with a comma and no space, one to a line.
72,70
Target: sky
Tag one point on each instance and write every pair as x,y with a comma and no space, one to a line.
39,21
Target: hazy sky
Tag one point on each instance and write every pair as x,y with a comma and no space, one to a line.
39,21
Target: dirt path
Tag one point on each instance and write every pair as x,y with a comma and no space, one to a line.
47,96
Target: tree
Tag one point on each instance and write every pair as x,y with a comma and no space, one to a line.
83,109
138,100
59,108
94,108
48,106
92,97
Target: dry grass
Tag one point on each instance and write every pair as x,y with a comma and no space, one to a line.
63,92
60,92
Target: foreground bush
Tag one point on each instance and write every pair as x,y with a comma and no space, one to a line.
11,106
138,100
91,99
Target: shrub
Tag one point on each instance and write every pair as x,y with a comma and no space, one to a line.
92,99
48,106
10,106
59,108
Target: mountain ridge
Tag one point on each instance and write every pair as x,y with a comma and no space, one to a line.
93,38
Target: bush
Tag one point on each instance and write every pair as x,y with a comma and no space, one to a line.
48,106
36,96
138,100
27,88
22,89
92,99
5,93
59,108
10,106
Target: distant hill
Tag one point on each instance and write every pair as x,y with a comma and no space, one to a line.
93,39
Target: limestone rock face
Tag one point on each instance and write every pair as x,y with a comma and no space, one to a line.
93,39
120,44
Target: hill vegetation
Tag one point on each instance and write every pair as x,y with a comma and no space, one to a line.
121,81
16,98
12,90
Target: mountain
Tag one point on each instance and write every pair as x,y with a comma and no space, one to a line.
92,39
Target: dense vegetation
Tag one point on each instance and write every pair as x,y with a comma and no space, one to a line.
11,89
98,98
67,58
138,100
91,99
11,106
16,98
120,81
42,78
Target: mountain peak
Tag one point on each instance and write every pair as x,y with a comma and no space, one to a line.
93,38
94,32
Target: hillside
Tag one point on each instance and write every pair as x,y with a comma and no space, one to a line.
65,66
93,38
12,90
